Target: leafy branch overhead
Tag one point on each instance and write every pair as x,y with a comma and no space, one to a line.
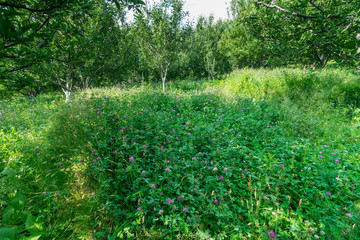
312,31
27,28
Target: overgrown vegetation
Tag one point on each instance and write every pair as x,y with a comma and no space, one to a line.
269,151
261,153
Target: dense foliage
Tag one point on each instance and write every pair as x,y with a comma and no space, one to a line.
194,162
226,152
64,45
310,32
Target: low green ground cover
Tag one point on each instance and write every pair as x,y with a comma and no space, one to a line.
259,154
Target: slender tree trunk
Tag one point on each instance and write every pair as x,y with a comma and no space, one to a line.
163,76
67,91
67,95
163,84
322,59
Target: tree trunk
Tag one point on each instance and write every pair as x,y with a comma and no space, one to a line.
163,76
67,91
67,96
163,84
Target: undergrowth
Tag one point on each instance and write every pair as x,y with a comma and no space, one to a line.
260,153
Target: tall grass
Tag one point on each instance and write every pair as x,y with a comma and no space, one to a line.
324,103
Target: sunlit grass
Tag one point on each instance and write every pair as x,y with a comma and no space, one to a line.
260,151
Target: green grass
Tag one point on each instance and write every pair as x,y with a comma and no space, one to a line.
328,99
262,150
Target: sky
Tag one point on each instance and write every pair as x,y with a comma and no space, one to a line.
197,8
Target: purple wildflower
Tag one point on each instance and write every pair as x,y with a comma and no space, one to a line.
221,177
152,185
349,215
179,198
167,169
328,193
272,234
131,159
185,209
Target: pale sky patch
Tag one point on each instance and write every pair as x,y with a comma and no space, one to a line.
197,8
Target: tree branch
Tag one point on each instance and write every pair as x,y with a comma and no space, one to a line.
42,24
355,58
22,6
344,56
285,10
21,67
316,6
11,56
11,45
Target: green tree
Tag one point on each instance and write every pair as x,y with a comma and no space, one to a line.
63,36
310,32
200,54
158,29
90,50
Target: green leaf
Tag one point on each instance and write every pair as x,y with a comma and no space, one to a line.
7,234
8,214
19,201
34,225
31,237
8,171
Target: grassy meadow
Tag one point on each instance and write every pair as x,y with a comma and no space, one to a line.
257,155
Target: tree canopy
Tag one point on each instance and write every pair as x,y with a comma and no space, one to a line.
71,44
312,32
